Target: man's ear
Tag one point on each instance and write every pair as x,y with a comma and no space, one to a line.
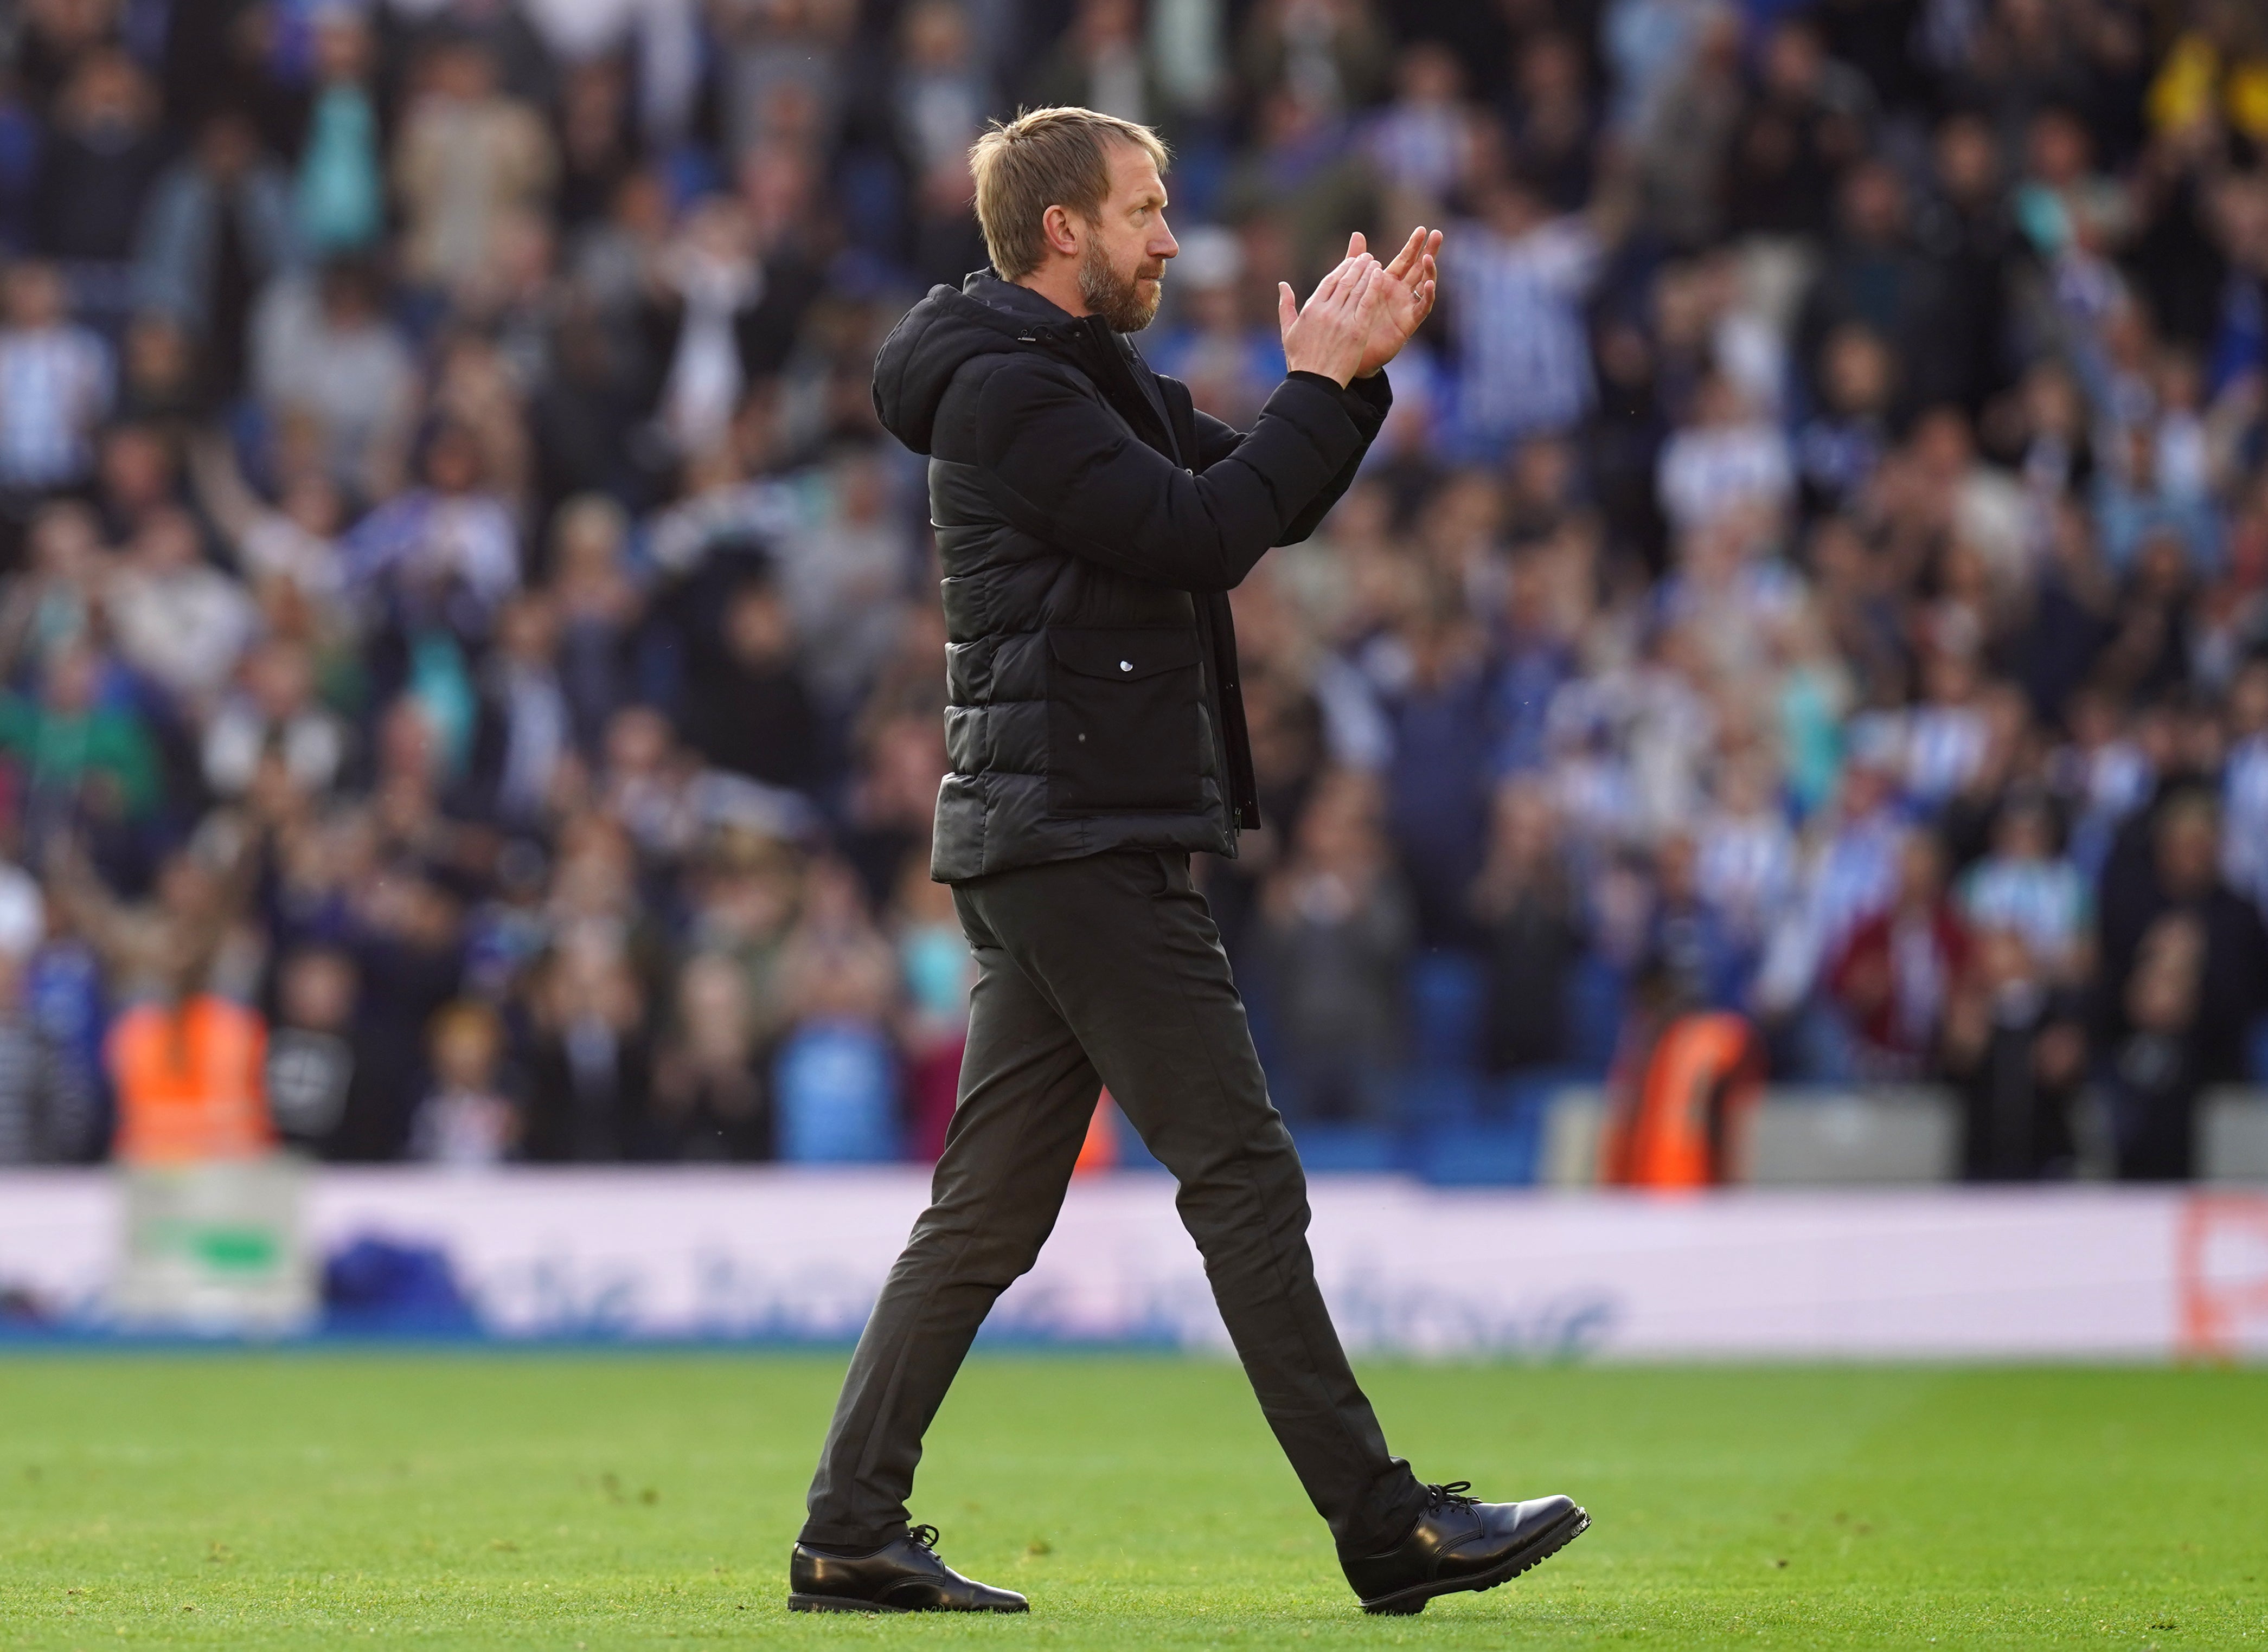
1056,227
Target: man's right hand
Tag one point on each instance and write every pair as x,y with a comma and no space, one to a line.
1327,336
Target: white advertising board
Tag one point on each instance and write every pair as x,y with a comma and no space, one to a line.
2059,1272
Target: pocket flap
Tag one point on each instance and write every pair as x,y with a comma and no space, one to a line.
1124,656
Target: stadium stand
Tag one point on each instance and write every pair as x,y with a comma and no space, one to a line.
457,607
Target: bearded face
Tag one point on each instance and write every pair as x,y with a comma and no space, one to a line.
1127,300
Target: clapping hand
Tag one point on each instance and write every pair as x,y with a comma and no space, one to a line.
1405,298
1331,334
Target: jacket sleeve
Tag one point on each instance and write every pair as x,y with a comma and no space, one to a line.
1365,401
1069,472
1368,401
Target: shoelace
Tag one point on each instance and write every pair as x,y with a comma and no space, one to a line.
1450,1496
922,1537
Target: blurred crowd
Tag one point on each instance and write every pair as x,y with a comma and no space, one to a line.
470,675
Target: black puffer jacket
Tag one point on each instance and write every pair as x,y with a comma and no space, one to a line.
1091,523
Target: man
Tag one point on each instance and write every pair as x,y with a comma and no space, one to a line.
1090,525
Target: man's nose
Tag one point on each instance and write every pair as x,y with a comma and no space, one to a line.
1164,246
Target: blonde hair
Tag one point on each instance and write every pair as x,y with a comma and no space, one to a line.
1042,159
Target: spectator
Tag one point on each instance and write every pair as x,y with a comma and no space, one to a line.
646,783
591,1072
597,609
1330,58
467,153
1948,735
46,1117
505,934
1516,280
312,1065
1527,906
293,543
1644,42
218,228
1745,856
56,382
186,1057
340,195
324,352
274,711
158,381
1335,940
1099,63
407,933
710,1099
1229,366
1438,704
1805,121
1873,276
448,549
525,729
180,622
2244,787
1894,972
842,571
2184,975
2154,1074
783,66
1428,140
98,163
2023,888
1304,184
2016,1050
1972,236
1687,134
1553,120
48,606
940,103
1838,449
75,754
836,1093
466,1121
2064,203
596,146
751,712
187,1071
707,284
1690,947
1726,460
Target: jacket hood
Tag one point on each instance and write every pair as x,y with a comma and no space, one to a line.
944,330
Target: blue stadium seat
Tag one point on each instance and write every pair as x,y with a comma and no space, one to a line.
1426,1097
1490,1154
1447,994
1370,1148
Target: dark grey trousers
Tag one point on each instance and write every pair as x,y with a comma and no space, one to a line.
1106,970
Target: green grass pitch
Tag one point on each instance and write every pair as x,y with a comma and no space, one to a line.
601,1500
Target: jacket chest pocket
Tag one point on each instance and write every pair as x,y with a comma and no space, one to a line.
1124,709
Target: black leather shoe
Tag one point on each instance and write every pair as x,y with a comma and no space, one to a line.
901,1576
1461,1542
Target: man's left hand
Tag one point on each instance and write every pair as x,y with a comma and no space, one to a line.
1408,297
